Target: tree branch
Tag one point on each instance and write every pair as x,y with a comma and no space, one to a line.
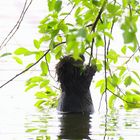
31,65
93,29
120,97
17,25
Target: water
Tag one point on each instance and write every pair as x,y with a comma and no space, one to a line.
19,120
121,125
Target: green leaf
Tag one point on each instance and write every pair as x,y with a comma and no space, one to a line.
63,27
113,56
41,95
5,54
51,4
125,2
82,32
31,130
39,54
29,65
39,103
136,91
101,84
22,51
115,80
112,8
51,45
137,58
44,38
128,81
30,86
44,83
136,74
58,5
123,49
77,1
99,41
96,2
112,99
132,48
109,35
48,57
122,70
78,10
34,80
44,68
36,44
18,60
129,37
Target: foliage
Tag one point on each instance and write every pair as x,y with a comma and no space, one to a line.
89,27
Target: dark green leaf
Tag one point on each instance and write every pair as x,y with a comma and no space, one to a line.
82,32
5,54
128,37
58,5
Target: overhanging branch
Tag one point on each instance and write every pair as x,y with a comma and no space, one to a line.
30,66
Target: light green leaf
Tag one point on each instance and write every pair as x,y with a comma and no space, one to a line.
48,57
30,86
113,56
128,81
34,80
136,74
112,8
36,44
44,68
39,103
51,4
125,2
29,65
99,41
18,60
123,49
22,51
137,58
44,83
41,95
112,99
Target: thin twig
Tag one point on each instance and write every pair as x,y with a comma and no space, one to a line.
67,14
30,66
98,16
17,25
93,29
120,97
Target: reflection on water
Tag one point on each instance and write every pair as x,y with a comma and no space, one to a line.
121,125
74,126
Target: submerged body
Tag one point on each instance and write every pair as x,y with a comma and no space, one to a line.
75,80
